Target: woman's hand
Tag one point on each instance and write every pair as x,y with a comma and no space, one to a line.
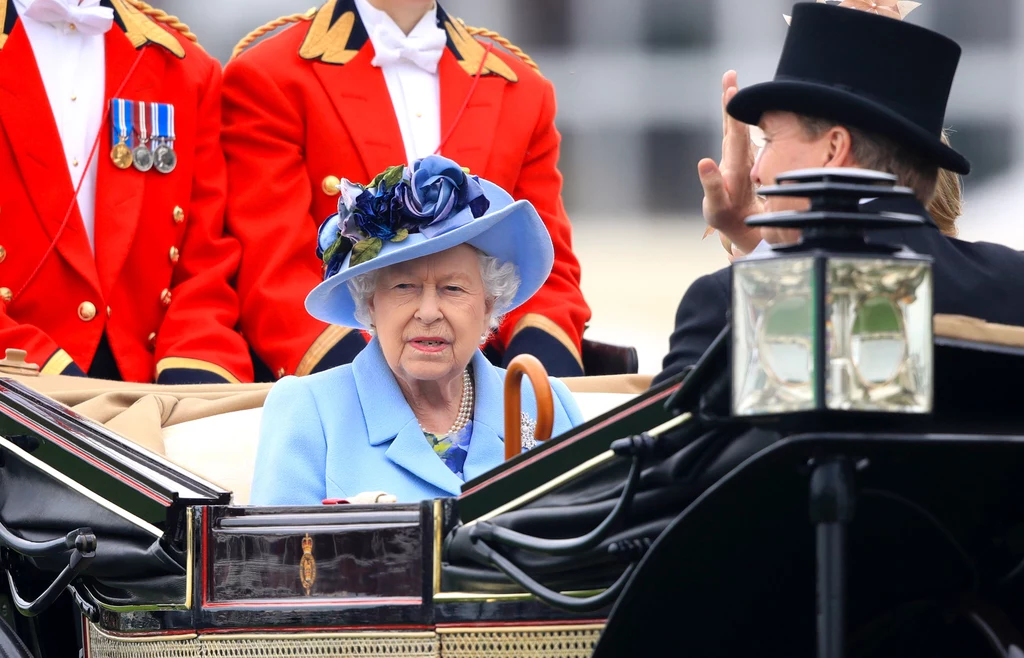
371,497
729,195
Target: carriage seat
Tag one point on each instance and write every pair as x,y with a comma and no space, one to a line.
222,447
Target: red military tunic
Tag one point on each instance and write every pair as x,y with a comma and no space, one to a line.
159,283
307,105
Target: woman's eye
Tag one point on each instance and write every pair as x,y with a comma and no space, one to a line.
453,288
403,286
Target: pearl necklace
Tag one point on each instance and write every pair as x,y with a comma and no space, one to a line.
465,408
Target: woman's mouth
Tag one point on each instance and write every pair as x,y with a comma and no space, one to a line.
429,344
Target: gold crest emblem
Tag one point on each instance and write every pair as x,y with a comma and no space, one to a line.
307,565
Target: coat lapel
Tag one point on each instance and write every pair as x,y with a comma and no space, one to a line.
470,136
486,447
360,96
39,154
120,193
388,417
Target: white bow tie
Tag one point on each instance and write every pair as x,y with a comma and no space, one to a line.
423,50
87,18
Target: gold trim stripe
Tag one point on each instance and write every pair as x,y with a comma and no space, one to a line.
63,479
330,337
194,364
548,326
450,597
437,546
60,360
181,637
411,635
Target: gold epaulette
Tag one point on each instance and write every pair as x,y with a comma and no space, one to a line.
270,27
501,41
162,16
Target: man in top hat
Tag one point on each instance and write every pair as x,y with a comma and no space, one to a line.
113,262
830,106
356,87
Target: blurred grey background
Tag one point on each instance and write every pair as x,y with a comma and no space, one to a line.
638,84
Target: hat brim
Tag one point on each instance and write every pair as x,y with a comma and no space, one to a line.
513,234
846,107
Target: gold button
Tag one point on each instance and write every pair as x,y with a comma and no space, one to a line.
108,311
3,254
6,295
330,185
179,215
280,373
74,97
86,311
74,163
419,115
174,254
72,27
165,297
151,340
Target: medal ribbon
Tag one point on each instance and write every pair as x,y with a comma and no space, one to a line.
154,123
165,122
143,134
124,113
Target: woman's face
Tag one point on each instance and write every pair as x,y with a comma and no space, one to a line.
430,314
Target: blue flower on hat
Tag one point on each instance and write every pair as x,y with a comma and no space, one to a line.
432,197
438,193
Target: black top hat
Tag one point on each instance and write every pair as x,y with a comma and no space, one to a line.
865,71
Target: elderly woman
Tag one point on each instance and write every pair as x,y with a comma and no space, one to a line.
426,259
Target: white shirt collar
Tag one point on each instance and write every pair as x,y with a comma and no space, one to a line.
372,17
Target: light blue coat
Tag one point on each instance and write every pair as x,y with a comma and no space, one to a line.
349,429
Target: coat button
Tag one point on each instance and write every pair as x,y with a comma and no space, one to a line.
174,254
6,295
86,311
179,215
151,340
330,185
165,297
108,311
280,373
3,254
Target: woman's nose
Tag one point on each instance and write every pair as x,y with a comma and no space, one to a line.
429,311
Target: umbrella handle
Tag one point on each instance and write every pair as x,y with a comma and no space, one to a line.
529,365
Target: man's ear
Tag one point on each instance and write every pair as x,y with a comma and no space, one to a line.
840,147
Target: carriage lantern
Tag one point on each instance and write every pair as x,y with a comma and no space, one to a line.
835,322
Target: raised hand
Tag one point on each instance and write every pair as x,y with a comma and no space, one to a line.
729,194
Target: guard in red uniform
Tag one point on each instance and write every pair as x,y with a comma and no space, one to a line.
347,93
113,260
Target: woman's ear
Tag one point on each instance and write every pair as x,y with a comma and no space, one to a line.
840,147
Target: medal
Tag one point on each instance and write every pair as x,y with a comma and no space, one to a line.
121,125
165,159
142,157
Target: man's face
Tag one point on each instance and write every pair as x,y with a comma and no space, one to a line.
786,148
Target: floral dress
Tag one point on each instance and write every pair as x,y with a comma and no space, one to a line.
452,449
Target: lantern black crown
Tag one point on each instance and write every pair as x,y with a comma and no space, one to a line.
837,219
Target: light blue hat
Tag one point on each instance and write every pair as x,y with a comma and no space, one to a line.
409,212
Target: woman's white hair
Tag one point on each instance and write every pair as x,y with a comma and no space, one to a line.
501,283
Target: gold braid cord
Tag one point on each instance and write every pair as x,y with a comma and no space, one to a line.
503,42
270,27
162,16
